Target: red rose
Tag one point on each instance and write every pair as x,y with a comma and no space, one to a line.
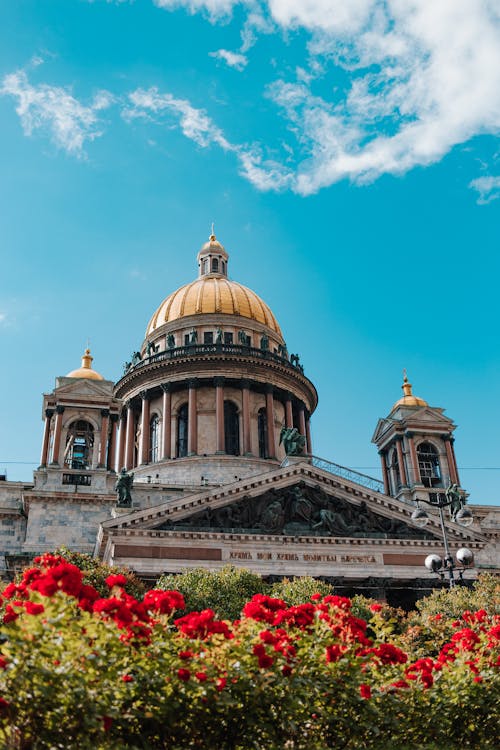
183,674
33,609
127,678
365,691
201,676
116,580
375,607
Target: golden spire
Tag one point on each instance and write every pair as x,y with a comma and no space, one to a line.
212,234
408,399
86,371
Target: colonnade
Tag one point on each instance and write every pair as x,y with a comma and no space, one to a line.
127,457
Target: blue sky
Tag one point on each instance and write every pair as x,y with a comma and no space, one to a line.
347,152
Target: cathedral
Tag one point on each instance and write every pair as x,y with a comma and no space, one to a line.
202,455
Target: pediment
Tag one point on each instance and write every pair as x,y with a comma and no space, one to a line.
428,414
295,500
100,389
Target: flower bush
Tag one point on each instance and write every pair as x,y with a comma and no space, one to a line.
79,669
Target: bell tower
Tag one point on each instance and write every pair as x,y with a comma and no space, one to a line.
415,444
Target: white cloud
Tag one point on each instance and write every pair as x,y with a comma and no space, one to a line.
422,77
233,59
53,109
488,188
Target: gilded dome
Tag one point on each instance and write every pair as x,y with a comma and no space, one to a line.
408,399
213,294
85,371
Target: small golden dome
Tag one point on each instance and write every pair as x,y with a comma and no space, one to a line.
408,399
85,371
213,295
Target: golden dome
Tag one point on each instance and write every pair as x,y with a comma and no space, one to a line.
408,399
213,294
85,371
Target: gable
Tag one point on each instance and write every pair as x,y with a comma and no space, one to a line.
86,388
349,509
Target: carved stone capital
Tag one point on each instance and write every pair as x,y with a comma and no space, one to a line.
60,409
245,383
193,383
114,417
143,395
166,387
49,413
104,412
219,382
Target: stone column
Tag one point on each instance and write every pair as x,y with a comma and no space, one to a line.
414,459
220,442
46,438
302,425
144,443
308,436
104,438
402,467
111,462
120,460
57,436
385,474
167,422
288,412
192,418
271,437
129,439
450,455
245,400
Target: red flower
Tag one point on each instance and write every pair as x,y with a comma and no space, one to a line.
107,722
400,684
186,655
389,654
10,614
201,676
264,659
33,609
183,674
263,608
117,579
376,607
333,653
466,639
3,663
164,602
478,679
286,670
127,678
202,625
220,684
365,691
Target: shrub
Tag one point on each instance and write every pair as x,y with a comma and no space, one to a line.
299,590
95,572
225,591
78,670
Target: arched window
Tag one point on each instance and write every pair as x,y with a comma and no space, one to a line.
182,431
231,429
79,445
396,470
262,432
154,431
428,463
215,265
204,265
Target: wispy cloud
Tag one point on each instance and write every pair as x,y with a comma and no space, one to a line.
488,188
54,110
233,59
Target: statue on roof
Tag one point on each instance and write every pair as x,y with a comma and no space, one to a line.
293,442
123,487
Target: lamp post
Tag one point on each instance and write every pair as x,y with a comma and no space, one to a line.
447,567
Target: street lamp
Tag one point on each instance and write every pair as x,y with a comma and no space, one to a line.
446,567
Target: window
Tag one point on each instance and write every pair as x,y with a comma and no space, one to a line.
186,339
79,445
215,265
395,467
223,267
204,265
228,337
208,337
154,429
182,431
262,431
231,429
428,463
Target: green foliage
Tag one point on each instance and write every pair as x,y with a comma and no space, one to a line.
225,591
299,590
96,572
484,594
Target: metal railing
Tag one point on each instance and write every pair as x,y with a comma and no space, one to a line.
354,476
190,350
